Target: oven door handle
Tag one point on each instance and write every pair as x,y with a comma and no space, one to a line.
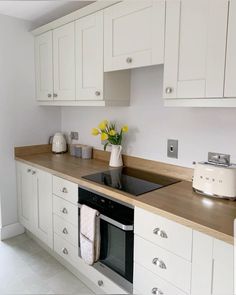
122,226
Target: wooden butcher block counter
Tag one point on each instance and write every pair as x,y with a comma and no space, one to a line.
177,202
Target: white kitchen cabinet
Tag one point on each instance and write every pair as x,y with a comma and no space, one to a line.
64,62
92,84
195,48
212,266
223,268
35,201
44,66
26,186
230,71
42,208
134,34
89,57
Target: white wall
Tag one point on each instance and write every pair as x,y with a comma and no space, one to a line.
198,130
22,122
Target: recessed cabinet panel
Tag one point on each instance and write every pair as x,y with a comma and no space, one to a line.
44,67
89,57
134,34
64,62
223,268
43,208
230,72
195,44
26,190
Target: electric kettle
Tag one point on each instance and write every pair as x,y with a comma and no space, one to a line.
59,143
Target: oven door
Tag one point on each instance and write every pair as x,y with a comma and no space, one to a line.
117,244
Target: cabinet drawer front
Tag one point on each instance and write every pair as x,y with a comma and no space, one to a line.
66,230
163,232
65,189
65,210
152,283
65,249
70,253
168,266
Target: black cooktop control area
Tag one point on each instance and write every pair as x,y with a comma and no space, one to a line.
133,181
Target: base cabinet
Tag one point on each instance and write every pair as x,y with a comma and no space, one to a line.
207,269
35,202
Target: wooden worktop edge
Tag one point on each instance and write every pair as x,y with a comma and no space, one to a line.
116,195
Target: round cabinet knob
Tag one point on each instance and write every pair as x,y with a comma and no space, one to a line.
65,251
54,94
100,283
64,211
33,172
49,95
65,231
157,231
129,60
28,170
97,93
169,90
157,291
64,190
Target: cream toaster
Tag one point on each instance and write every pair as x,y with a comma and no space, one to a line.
215,180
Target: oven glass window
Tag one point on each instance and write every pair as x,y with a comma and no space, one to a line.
113,248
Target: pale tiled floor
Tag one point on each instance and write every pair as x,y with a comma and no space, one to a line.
26,268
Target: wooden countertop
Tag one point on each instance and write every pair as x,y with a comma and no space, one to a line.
177,202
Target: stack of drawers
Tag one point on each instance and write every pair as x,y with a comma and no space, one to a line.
163,251
65,218
66,241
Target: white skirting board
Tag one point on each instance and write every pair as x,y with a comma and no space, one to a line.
11,230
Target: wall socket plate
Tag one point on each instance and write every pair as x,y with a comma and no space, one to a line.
74,135
172,148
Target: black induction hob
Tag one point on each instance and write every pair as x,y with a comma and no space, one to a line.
133,181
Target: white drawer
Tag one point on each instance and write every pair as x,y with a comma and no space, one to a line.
146,283
65,210
65,249
168,266
70,253
65,189
66,230
164,232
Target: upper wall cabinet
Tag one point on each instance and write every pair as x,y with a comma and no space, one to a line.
92,84
195,48
64,62
134,34
230,72
55,64
44,66
89,57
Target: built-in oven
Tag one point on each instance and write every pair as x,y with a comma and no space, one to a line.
117,235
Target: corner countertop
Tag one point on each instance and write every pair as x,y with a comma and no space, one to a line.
176,202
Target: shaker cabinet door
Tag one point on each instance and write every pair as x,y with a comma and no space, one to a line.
223,268
89,57
26,192
64,62
230,71
44,66
195,47
42,207
134,34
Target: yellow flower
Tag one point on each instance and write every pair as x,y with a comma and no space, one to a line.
112,132
104,136
103,125
95,131
125,128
